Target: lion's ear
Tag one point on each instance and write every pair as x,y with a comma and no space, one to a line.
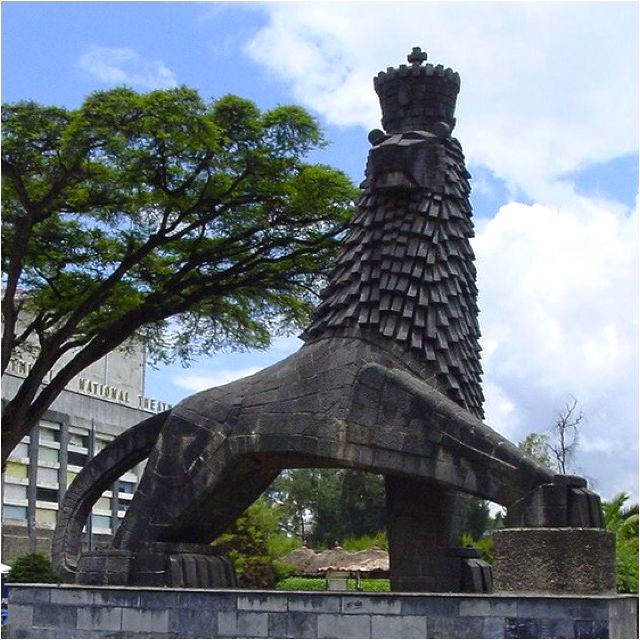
441,130
376,136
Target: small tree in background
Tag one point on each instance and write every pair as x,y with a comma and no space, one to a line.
340,503
536,445
255,543
31,567
556,449
623,521
477,518
565,444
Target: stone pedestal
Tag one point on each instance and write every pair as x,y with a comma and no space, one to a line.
554,560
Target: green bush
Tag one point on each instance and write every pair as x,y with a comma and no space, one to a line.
484,544
320,584
279,544
254,543
366,541
301,584
622,519
31,567
371,584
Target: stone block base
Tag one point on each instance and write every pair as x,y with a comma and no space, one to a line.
157,565
48,611
554,560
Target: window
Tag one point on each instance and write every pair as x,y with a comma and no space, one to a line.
79,440
15,491
101,443
101,522
77,459
46,516
47,455
103,503
126,487
15,470
49,435
21,451
47,475
11,512
48,495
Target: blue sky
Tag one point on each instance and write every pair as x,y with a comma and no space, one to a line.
547,116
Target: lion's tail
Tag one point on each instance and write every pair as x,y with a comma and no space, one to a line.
120,455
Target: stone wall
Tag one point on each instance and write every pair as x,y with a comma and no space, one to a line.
44,611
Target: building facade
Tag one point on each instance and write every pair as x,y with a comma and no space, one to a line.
106,399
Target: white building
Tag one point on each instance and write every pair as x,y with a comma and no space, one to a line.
102,402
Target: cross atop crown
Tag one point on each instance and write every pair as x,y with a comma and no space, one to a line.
417,56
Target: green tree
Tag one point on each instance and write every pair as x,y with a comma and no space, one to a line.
254,543
134,210
297,493
361,504
31,567
477,518
536,445
563,447
623,521
323,506
557,448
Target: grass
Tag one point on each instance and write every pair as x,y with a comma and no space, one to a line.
320,584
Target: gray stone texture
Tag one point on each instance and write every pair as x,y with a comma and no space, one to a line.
188,613
145,620
398,627
554,560
388,381
106,618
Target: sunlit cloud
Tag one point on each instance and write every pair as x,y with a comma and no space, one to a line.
123,66
197,380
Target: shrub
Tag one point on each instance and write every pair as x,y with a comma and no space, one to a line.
622,519
320,584
31,567
484,544
371,584
294,583
252,541
364,542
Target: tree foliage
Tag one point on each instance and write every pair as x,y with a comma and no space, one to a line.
557,448
323,506
254,543
477,518
563,447
134,209
623,521
31,567
536,445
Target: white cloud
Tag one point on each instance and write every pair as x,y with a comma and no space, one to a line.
125,66
546,87
222,368
559,302
199,380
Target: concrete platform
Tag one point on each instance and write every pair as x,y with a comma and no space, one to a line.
69,611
